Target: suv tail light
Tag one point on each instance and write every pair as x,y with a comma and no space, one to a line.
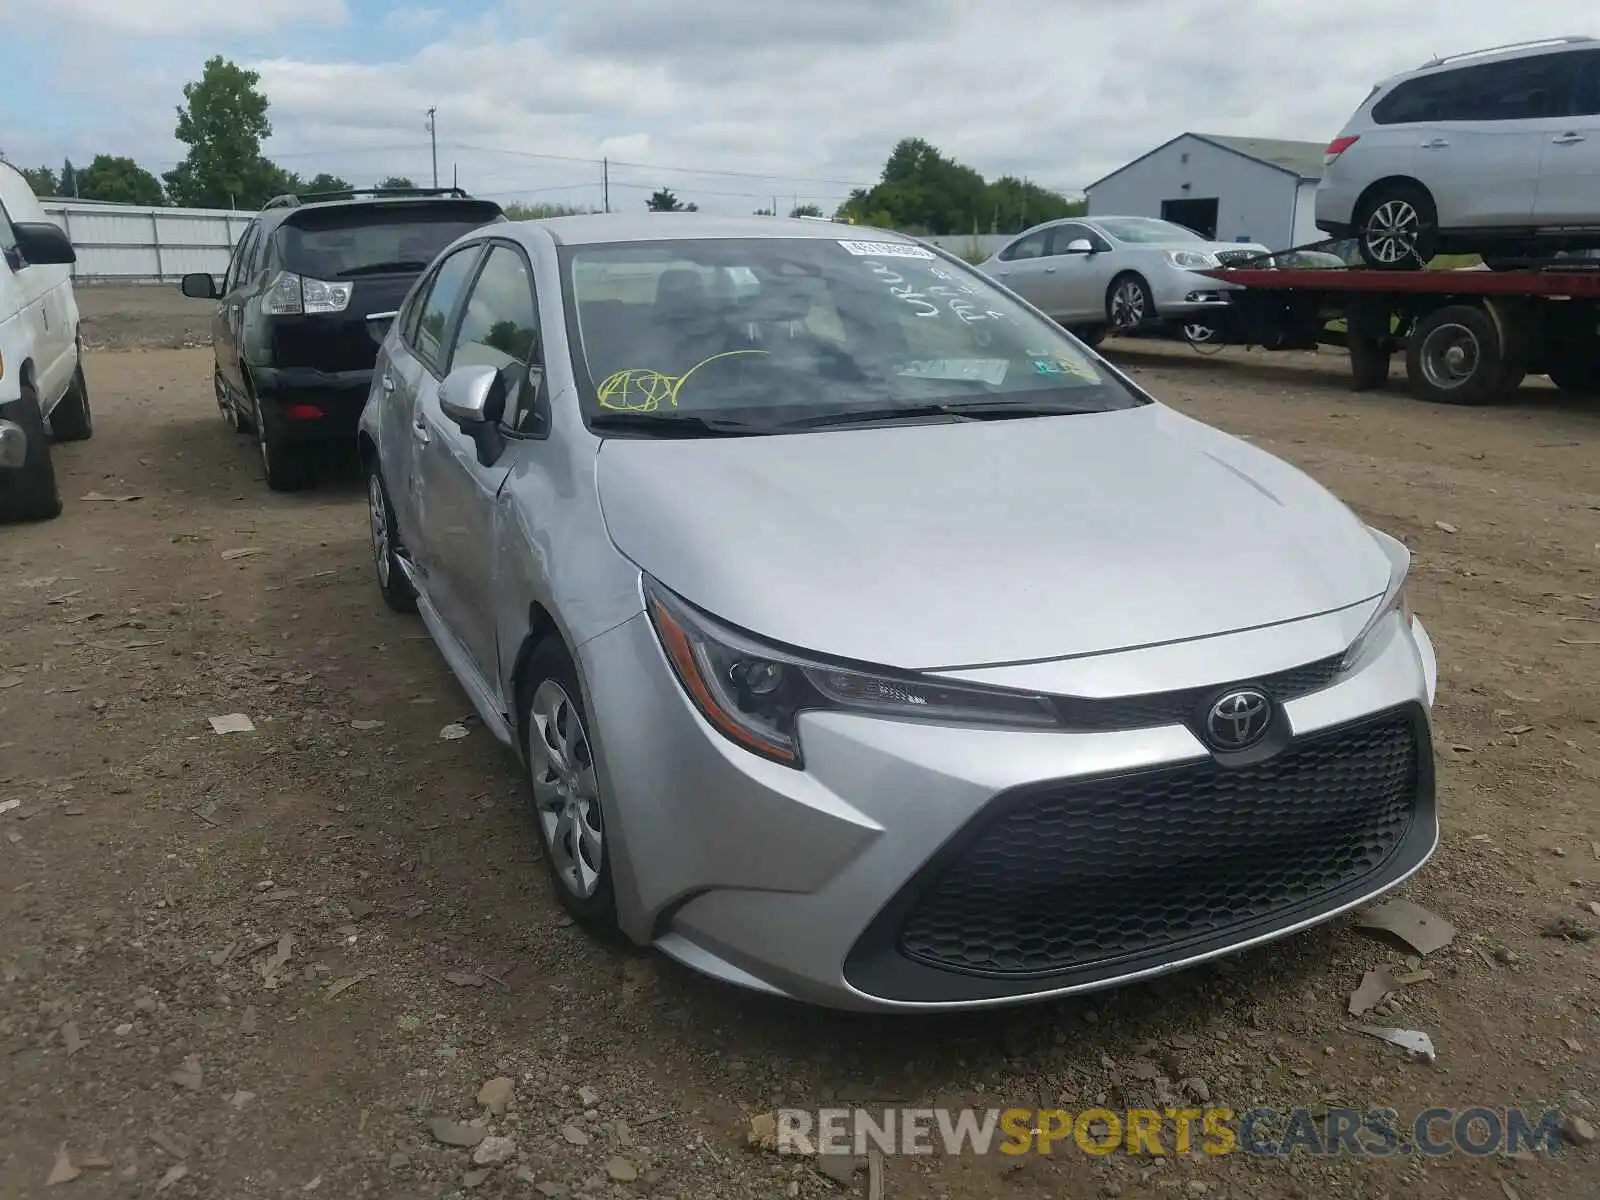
1337,147
289,294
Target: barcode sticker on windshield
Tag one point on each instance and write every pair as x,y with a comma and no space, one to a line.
887,250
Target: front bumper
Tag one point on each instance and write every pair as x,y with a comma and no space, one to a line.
1188,295
305,403
892,874
13,445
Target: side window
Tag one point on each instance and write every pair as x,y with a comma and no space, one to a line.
1063,236
1524,89
241,252
1419,100
1586,84
438,307
500,325
1032,246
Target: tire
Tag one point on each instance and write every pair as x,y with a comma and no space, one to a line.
1576,371
72,420
1369,364
387,549
1128,302
1397,227
1453,356
29,492
567,805
281,461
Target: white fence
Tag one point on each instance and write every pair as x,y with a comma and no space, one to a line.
971,245
131,244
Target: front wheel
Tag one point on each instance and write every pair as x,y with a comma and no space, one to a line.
1129,303
1397,228
29,492
566,790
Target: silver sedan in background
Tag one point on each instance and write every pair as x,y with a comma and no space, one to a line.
1100,274
867,640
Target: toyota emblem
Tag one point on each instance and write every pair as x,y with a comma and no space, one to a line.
1239,719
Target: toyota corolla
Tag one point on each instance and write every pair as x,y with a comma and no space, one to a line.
866,638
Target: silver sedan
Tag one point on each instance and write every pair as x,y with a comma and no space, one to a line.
868,641
1094,274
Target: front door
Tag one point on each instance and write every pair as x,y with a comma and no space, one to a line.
1081,279
459,490
1569,177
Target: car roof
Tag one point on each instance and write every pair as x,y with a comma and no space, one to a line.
597,229
1495,54
276,209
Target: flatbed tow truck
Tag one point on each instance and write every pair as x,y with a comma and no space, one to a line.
1469,336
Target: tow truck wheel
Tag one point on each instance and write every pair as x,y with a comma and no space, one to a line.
1576,370
1454,356
1395,227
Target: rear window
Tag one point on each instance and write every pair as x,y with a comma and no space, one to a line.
347,241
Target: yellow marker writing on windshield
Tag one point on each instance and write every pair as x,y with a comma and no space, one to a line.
638,390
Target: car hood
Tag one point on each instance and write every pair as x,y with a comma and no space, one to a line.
945,545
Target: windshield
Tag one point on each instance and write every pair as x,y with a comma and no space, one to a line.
1146,230
776,331
342,242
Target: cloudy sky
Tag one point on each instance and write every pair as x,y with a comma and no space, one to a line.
732,103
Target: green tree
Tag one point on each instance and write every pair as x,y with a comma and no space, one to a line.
325,183
805,210
664,201
42,180
764,212
223,121
119,180
69,179
395,183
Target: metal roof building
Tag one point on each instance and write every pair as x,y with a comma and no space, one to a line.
1227,187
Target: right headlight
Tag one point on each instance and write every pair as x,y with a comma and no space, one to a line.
753,693
1394,597
1193,260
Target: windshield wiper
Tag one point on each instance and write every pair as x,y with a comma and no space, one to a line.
976,411
677,424
384,268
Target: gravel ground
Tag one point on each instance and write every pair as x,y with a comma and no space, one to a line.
259,965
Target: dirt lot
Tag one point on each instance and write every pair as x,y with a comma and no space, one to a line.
154,871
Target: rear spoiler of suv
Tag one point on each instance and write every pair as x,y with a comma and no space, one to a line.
293,201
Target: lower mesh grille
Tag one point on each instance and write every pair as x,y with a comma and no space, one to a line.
1085,872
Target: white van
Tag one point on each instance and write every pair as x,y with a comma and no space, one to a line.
43,395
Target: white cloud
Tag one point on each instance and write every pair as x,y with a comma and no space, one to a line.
186,17
822,90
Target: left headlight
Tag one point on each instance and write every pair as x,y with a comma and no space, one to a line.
753,693
1193,260
1394,599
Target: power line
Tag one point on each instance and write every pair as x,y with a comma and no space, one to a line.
617,162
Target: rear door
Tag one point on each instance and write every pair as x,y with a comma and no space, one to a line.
1569,177
409,383
376,250
1025,268
499,327
1481,156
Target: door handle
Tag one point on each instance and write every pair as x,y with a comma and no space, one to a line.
386,382
1569,138
420,432
1436,144
1049,270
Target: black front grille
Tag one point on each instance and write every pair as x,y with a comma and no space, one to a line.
1174,708
1243,258
1071,874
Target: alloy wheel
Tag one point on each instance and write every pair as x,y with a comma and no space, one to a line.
1127,305
1392,231
566,793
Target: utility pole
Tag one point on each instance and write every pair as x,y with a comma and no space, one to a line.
433,142
605,184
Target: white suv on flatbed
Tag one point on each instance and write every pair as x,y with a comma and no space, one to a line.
1494,152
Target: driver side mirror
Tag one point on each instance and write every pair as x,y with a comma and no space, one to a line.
1080,246
44,244
474,397
199,286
